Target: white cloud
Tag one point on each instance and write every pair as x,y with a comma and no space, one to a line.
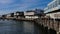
20,5
29,0
6,1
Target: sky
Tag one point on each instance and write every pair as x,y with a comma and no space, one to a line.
9,6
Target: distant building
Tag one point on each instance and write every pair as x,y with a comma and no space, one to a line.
19,14
53,9
10,15
39,12
30,14
15,15
3,16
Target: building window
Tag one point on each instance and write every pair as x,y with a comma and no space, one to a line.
55,4
59,2
52,6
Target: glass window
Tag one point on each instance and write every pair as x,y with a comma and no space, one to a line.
58,2
48,7
55,3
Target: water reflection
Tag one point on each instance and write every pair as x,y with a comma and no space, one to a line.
18,27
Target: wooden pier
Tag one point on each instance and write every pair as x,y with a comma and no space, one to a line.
53,24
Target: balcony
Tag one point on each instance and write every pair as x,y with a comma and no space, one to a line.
52,9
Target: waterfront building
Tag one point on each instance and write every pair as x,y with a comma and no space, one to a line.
10,15
39,12
53,9
3,16
19,15
30,14
15,15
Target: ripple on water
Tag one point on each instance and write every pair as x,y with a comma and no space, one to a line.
17,27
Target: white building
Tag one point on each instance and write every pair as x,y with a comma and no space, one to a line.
53,9
30,14
8,15
15,15
19,15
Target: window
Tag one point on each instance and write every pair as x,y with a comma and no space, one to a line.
59,2
55,3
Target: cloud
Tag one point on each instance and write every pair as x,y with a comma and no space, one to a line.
25,5
7,6
6,1
29,1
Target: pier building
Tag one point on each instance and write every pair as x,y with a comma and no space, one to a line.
30,14
19,15
53,9
53,12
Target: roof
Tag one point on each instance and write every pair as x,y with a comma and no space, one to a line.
30,11
51,2
54,11
19,12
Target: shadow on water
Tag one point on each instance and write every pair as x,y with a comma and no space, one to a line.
38,29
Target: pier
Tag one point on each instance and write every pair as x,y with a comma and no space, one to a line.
49,25
30,17
52,26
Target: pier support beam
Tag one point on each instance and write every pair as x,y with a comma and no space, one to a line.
58,32
46,29
51,31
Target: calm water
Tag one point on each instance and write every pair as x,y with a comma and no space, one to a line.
18,27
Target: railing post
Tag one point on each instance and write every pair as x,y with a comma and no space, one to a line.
49,22
53,23
58,25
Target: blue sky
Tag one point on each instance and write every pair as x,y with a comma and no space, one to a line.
8,6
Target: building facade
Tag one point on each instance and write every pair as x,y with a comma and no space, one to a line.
39,12
30,14
10,15
19,15
53,9
54,5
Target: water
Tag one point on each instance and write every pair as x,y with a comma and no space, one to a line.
18,27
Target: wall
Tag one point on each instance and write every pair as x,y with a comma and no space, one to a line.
54,15
31,17
28,13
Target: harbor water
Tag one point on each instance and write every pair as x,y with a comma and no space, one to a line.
19,27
